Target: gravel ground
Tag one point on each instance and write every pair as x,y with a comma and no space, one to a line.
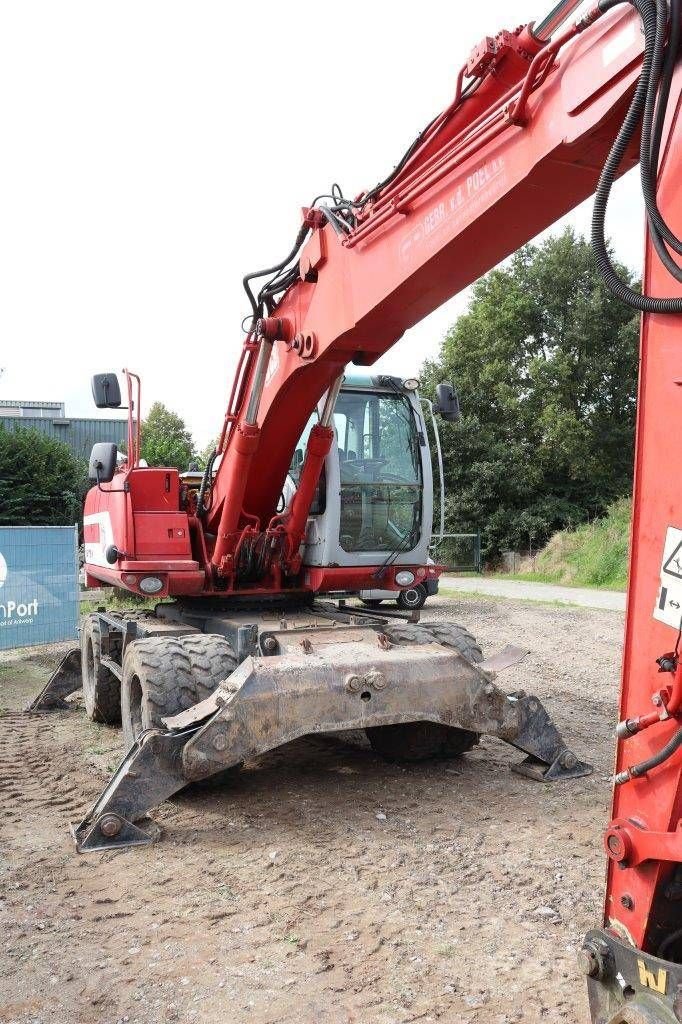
322,884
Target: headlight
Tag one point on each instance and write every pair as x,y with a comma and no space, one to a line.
151,584
411,384
404,578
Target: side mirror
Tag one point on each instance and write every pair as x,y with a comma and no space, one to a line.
106,391
102,462
447,403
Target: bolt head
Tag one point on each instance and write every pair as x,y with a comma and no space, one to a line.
568,760
589,963
377,679
110,825
353,683
219,741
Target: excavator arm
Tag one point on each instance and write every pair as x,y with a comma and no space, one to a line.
505,160
541,120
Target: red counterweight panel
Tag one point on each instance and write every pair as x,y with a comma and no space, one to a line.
162,534
154,490
161,529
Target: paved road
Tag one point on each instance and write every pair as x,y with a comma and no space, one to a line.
612,600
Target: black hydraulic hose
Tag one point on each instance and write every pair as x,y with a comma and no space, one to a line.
669,941
642,109
664,754
300,239
201,511
652,126
661,235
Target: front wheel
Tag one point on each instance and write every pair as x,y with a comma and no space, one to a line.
165,675
413,598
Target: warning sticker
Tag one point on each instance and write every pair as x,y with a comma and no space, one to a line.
669,601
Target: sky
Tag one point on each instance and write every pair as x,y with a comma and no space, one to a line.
154,151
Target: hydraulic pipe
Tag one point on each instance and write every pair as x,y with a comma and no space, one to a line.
330,401
264,353
544,31
319,445
236,465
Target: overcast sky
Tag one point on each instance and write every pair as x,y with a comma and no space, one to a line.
154,151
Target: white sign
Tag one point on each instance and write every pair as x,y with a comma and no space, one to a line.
669,600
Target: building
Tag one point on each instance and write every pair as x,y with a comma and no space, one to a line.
50,418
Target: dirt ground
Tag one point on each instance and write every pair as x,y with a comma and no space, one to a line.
322,885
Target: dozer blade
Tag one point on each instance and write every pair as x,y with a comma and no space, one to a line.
335,687
65,680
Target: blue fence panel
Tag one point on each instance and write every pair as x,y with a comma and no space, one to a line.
38,585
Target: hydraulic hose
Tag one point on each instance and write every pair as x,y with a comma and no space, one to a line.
658,64
664,754
208,472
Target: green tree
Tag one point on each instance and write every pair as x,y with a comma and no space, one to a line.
545,362
42,483
205,454
165,440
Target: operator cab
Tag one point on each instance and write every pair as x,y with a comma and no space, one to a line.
380,466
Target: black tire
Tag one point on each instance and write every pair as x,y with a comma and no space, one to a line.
165,675
457,637
409,742
101,688
412,598
372,603
406,633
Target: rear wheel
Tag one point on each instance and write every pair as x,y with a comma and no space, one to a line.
101,688
165,675
451,634
408,742
412,598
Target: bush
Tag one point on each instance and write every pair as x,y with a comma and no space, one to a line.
42,483
594,555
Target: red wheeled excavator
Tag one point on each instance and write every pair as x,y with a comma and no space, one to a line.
542,117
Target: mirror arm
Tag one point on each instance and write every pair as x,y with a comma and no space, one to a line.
112,490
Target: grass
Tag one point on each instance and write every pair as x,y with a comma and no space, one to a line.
120,600
594,555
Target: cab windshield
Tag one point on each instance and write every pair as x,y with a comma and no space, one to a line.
380,466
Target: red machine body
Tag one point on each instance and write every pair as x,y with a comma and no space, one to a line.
490,172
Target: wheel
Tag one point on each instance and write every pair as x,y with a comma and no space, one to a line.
452,635
165,675
412,598
101,688
408,742
373,603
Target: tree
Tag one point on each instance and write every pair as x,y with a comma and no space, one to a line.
205,454
545,361
165,440
42,483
